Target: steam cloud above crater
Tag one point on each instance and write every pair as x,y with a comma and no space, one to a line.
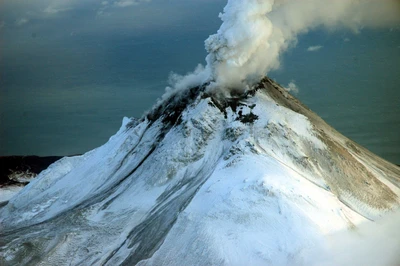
254,33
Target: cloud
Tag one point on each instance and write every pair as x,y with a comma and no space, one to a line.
314,48
125,3
40,10
21,21
83,12
292,87
254,34
52,10
106,8
249,44
196,78
59,6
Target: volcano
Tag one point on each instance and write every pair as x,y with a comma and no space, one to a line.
253,178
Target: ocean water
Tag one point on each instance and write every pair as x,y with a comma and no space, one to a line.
66,91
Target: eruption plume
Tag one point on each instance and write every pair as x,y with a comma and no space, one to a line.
254,33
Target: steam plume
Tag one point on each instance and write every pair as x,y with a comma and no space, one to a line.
254,33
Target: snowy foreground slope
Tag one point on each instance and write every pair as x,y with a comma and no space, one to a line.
252,179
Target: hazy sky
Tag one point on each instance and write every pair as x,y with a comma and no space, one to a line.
76,40
69,71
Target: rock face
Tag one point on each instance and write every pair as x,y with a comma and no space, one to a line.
28,166
17,171
255,178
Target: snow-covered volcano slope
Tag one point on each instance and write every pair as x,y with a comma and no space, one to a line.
253,179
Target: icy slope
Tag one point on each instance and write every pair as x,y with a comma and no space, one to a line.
255,178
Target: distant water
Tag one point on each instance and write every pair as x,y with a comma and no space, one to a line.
70,97
69,121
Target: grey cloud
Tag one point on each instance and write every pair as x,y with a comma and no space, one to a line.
314,48
292,87
21,21
125,3
52,10
14,10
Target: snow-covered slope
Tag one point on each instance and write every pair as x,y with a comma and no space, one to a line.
255,178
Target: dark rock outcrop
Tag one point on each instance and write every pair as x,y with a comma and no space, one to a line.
32,165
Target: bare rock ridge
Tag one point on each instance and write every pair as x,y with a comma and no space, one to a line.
349,167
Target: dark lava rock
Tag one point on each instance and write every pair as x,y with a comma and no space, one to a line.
31,164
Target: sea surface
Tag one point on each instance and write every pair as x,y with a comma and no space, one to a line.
64,93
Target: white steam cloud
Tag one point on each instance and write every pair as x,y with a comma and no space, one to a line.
254,33
244,45
292,87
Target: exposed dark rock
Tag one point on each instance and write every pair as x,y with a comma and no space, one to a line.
247,118
172,108
28,164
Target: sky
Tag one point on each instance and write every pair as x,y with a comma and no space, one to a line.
85,38
70,70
